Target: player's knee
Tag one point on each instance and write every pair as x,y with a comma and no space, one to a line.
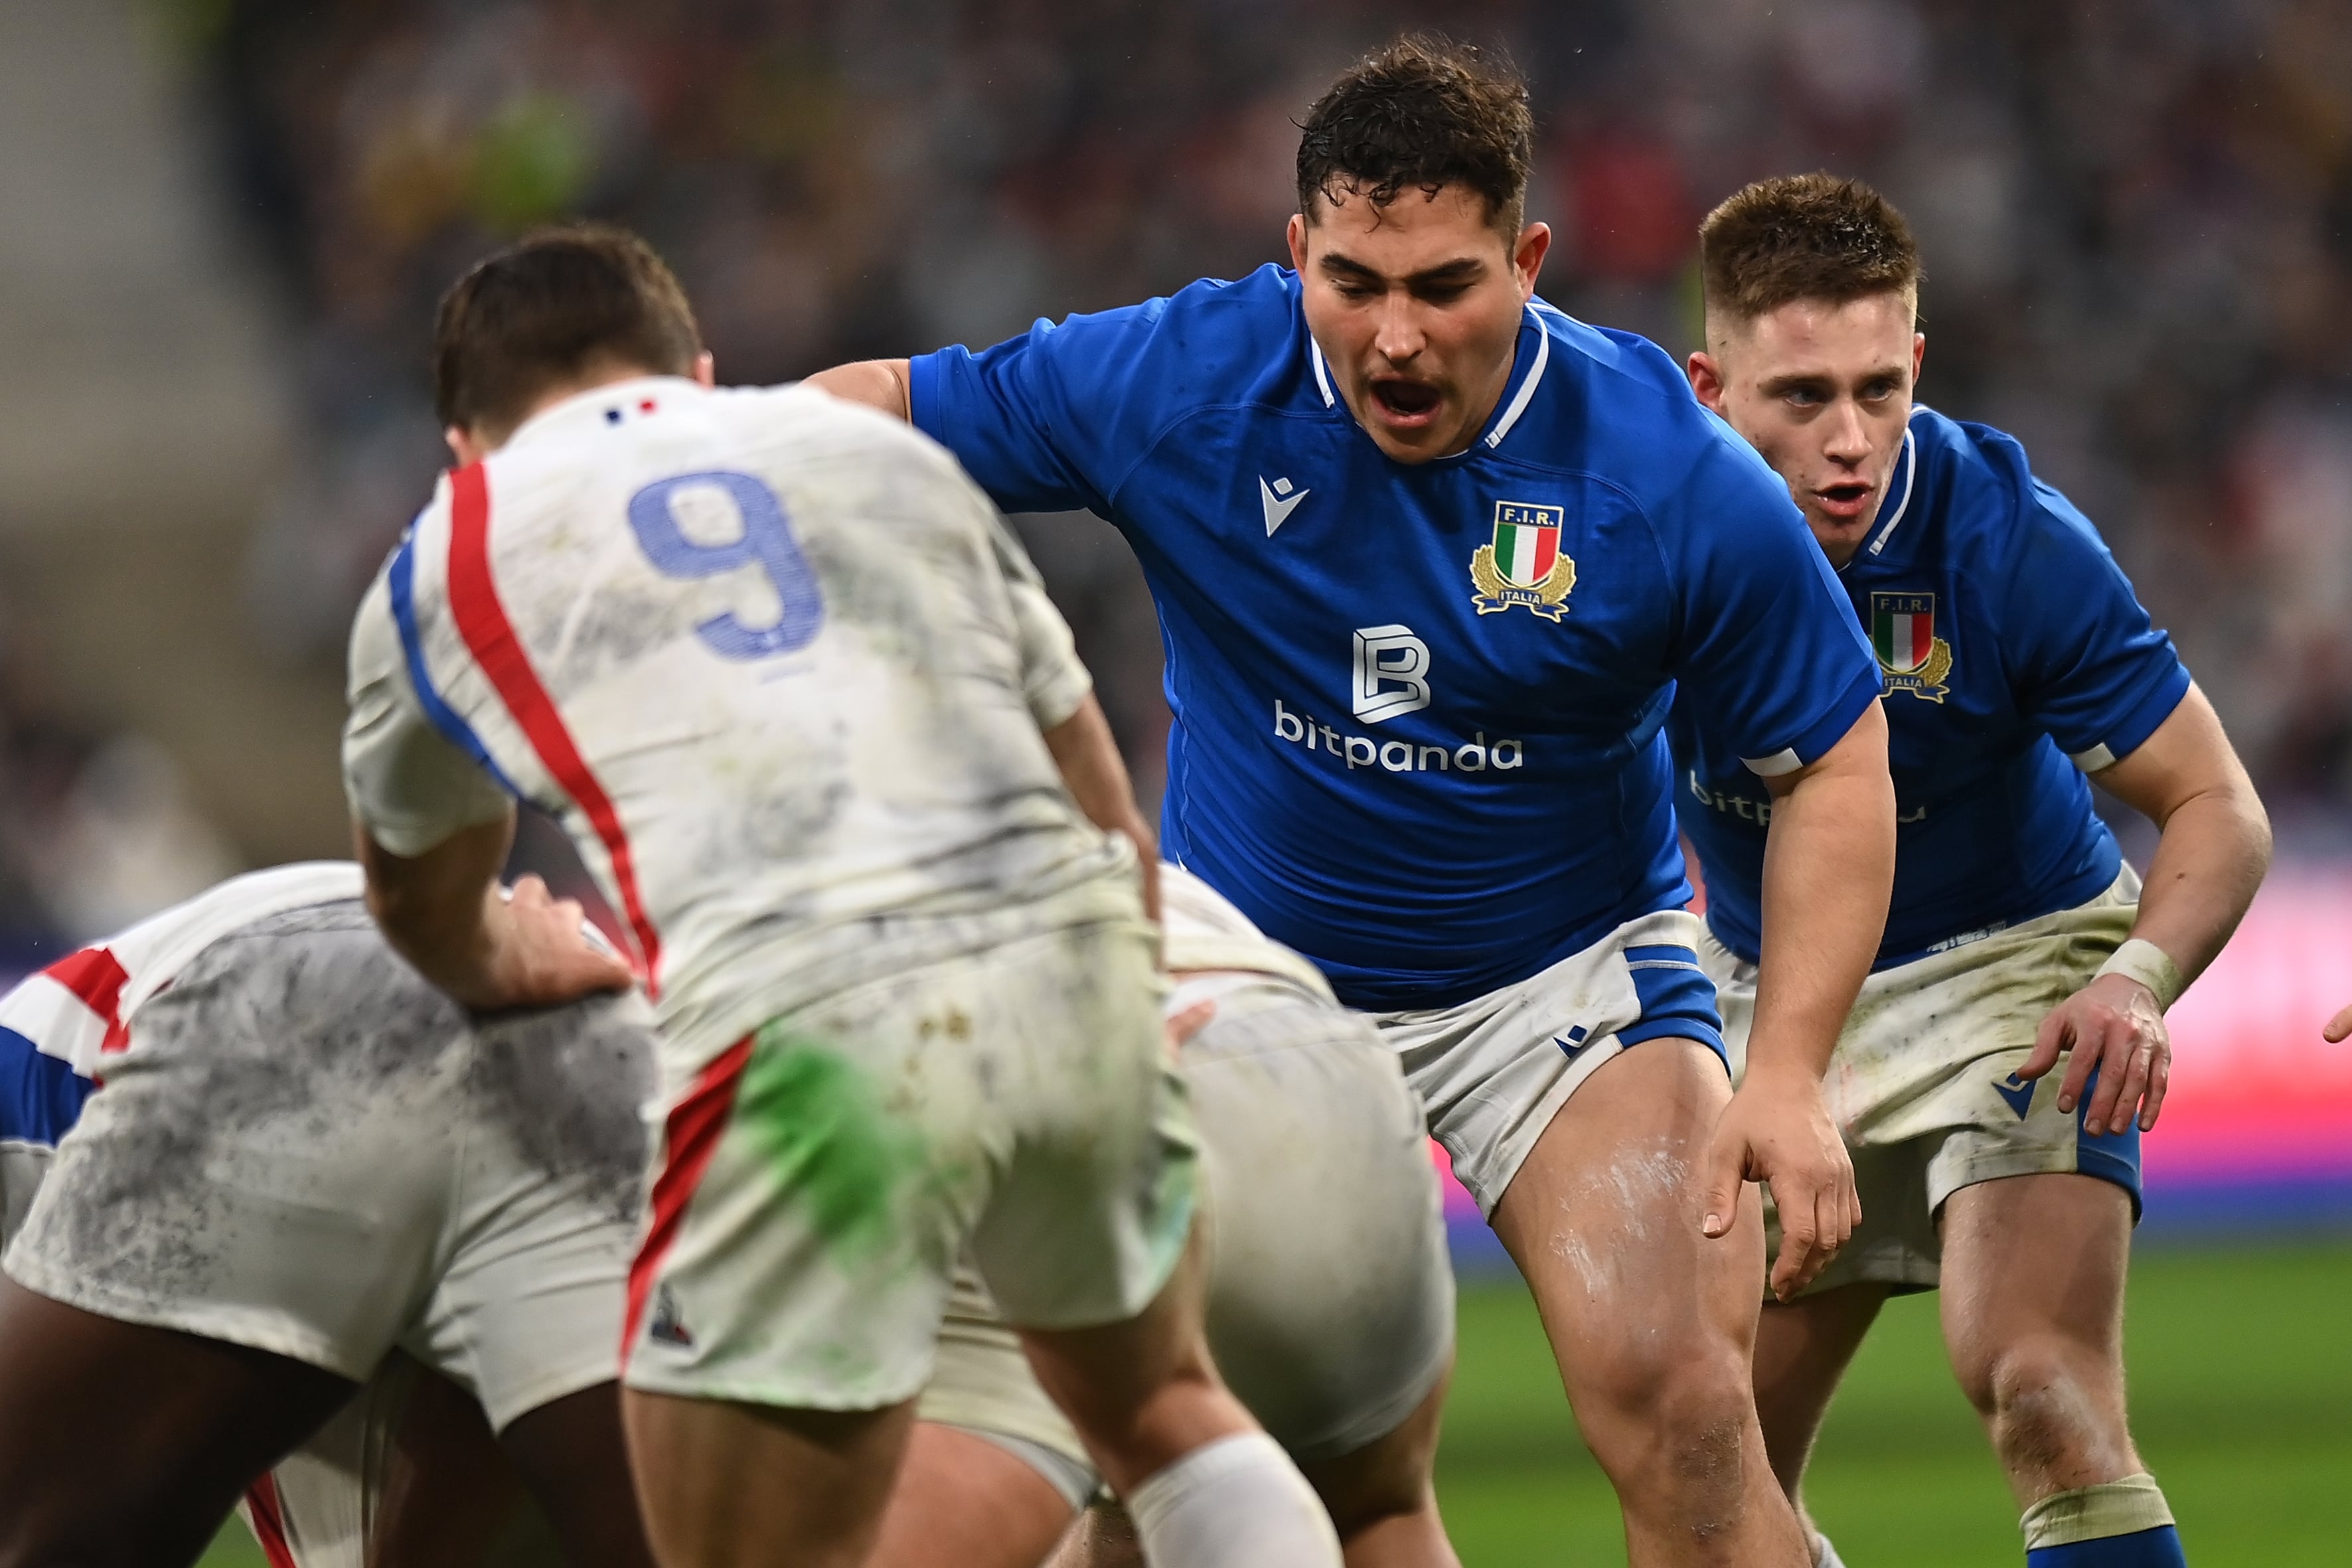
1670,1416
2042,1403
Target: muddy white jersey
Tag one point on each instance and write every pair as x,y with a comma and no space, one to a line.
775,663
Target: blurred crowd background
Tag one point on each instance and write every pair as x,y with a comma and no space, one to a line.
2136,217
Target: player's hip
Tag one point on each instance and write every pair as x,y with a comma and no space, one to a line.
1921,1034
1493,1071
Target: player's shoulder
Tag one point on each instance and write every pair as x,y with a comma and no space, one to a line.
1622,410
1215,342
1991,510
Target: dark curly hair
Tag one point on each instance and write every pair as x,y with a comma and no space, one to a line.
549,307
1803,236
1422,113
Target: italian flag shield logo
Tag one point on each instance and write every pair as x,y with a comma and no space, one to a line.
1903,630
1523,566
1902,634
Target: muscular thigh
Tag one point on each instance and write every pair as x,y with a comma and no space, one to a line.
2036,1256
1602,1219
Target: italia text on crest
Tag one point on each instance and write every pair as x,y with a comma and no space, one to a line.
1525,565
1910,654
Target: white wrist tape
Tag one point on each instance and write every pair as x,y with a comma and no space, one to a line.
2151,967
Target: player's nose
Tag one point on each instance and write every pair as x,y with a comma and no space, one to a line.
1400,336
1848,436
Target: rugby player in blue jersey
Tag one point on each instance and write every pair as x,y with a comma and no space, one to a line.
1431,559
2017,661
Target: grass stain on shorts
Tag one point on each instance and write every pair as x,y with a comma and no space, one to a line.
814,1113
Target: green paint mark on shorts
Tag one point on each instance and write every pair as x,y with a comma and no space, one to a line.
818,1118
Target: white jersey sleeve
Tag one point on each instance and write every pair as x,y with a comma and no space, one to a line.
1205,931
80,1008
403,777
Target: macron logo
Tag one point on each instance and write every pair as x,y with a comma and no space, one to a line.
1279,501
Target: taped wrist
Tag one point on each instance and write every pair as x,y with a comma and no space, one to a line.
2151,967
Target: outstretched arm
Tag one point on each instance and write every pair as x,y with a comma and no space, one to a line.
445,913
1828,868
877,382
2214,849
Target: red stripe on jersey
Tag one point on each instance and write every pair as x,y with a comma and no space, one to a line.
489,635
96,979
268,1520
690,1137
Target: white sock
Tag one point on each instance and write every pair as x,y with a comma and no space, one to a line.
1238,1502
1825,1555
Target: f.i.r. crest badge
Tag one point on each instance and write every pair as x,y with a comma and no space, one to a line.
1910,654
1523,566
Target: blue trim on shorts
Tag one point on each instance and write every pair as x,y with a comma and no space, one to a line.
1678,999
2110,1156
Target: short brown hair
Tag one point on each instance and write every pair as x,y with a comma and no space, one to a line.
1804,236
545,311
1422,113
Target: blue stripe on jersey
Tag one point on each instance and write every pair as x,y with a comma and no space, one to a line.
1677,998
401,581
40,1097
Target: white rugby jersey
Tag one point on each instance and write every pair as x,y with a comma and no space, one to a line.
774,662
1205,931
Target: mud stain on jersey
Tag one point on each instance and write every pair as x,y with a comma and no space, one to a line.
566,1086
820,1122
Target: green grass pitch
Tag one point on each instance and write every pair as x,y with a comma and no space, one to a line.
2242,1397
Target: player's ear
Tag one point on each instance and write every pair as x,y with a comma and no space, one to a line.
705,370
1918,355
1535,243
1706,379
1296,234
463,446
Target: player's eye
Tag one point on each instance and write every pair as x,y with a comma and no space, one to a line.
1443,293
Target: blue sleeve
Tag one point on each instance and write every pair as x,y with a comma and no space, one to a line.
1773,666
1051,420
2087,664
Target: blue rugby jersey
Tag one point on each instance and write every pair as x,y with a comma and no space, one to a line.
2016,656
1417,707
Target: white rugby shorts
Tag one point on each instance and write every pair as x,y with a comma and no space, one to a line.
307,1151
819,1178
1494,1070
1923,1084
1330,1295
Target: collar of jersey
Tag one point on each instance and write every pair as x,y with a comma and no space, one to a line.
596,406
1875,546
1518,391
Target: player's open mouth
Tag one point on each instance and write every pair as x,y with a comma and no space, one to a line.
1406,401
1844,503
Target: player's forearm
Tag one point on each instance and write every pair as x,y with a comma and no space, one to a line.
2212,857
435,909
1087,755
2215,841
1829,870
875,382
